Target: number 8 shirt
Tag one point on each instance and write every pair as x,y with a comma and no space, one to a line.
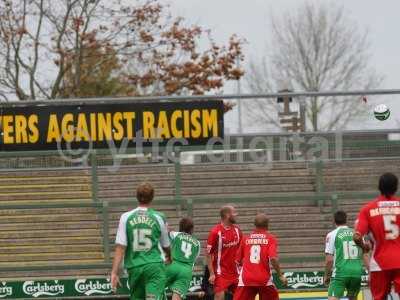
254,254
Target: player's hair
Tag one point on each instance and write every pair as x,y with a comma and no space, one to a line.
261,221
186,225
388,184
340,217
145,193
225,210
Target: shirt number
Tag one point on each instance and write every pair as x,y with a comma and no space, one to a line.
255,253
142,239
391,227
186,249
350,250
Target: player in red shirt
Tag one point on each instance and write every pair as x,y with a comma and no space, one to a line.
257,251
380,220
222,245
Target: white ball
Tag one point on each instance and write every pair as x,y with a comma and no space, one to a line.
382,112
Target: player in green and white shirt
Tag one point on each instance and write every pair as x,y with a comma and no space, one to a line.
184,250
344,260
142,241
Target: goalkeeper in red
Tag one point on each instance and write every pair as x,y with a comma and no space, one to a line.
256,253
380,220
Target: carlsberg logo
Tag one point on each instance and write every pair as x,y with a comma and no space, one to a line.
90,287
297,280
5,290
36,289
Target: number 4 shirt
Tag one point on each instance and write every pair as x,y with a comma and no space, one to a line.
347,255
185,248
381,221
254,256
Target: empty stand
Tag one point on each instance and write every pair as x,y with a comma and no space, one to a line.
360,175
50,236
62,185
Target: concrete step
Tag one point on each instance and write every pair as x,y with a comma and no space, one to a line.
46,262
47,211
31,257
290,173
44,249
49,233
49,219
6,181
247,189
50,241
44,173
60,188
45,195
54,225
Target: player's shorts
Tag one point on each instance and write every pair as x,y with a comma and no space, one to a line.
223,284
250,292
179,276
338,286
381,283
147,282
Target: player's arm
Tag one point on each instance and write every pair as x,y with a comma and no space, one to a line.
366,261
164,239
211,245
121,242
118,257
273,255
362,228
329,257
328,268
239,254
275,264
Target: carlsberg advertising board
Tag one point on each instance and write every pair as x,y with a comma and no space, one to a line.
101,287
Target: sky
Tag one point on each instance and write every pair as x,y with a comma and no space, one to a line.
250,19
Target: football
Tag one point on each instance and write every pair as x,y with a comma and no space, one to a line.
382,112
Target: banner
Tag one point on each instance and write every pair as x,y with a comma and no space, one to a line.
89,287
106,125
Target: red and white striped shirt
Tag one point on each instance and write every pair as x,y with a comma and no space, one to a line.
223,243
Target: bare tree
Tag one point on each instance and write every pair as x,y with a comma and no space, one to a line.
314,48
47,49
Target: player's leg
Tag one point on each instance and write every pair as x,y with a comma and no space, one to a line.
353,286
396,281
336,288
181,284
245,292
380,284
268,293
136,284
220,286
224,287
155,280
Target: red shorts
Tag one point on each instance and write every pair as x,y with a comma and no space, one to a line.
381,283
222,284
250,292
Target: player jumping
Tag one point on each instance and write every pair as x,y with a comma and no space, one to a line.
257,251
380,220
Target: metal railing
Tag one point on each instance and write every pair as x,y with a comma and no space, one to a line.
103,209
